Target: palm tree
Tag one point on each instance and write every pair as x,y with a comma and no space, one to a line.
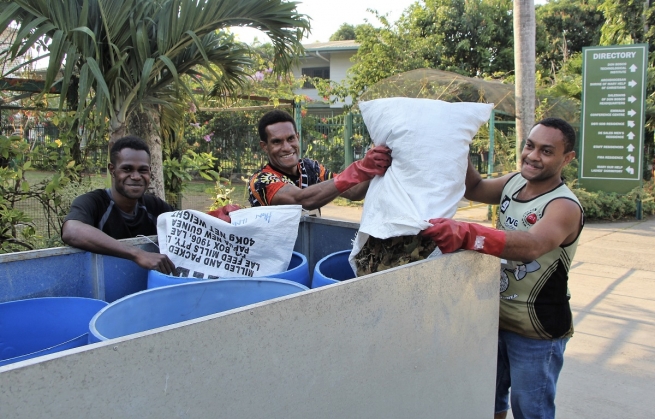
524,66
131,58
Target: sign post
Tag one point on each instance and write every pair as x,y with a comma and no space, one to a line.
613,117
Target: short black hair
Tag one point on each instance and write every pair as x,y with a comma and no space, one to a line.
273,117
129,141
564,127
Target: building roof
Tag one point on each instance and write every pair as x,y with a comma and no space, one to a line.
332,46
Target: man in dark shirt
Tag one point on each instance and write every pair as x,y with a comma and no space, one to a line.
286,179
98,219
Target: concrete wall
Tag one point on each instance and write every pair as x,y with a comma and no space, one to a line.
417,342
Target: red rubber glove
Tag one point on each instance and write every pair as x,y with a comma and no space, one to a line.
375,163
223,213
451,235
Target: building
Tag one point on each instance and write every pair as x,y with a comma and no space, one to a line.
327,60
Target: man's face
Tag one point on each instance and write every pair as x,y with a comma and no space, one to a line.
282,147
543,155
131,174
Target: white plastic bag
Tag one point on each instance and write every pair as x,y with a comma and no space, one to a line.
430,142
258,242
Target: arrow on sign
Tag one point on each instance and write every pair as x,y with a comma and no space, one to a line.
630,158
632,99
630,148
633,68
632,83
632,112
630,170
631,136
631,124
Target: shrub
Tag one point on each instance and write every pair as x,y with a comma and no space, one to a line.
614,206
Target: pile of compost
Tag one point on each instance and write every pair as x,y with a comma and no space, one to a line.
380,254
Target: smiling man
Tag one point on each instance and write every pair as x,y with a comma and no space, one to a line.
287,179
98,219
540,222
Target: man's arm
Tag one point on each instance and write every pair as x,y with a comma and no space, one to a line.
356,193
83,236
487,191
375,163
560,225
312,197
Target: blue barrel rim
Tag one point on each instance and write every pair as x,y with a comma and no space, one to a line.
52,298
94,332
70,343
301,272
46,351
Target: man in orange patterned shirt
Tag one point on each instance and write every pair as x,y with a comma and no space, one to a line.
287,179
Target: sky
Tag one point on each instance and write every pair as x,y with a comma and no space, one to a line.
327,16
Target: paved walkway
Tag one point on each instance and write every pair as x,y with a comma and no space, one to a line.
609,367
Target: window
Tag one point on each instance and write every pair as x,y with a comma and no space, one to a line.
320,72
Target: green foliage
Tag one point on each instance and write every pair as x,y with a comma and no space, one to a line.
563,28
178,173
624,22
231,137
18,231
504,148
613,206
323,140
570,171
127,52
473,38
221,194
126,59
346,32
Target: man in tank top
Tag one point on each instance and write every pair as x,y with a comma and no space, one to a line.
539,228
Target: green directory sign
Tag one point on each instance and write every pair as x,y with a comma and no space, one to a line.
613,112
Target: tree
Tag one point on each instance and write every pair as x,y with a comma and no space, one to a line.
129,55
624,21
524,64
563,28
473,38
346,32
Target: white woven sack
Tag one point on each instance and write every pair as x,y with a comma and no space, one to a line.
258,242
429,141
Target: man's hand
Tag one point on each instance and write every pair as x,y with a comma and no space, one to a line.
223,213
451,235
154,261
375,163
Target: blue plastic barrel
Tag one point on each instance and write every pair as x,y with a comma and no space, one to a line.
332,268
163,306
297,271
40,326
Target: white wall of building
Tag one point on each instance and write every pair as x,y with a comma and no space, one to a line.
339,63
